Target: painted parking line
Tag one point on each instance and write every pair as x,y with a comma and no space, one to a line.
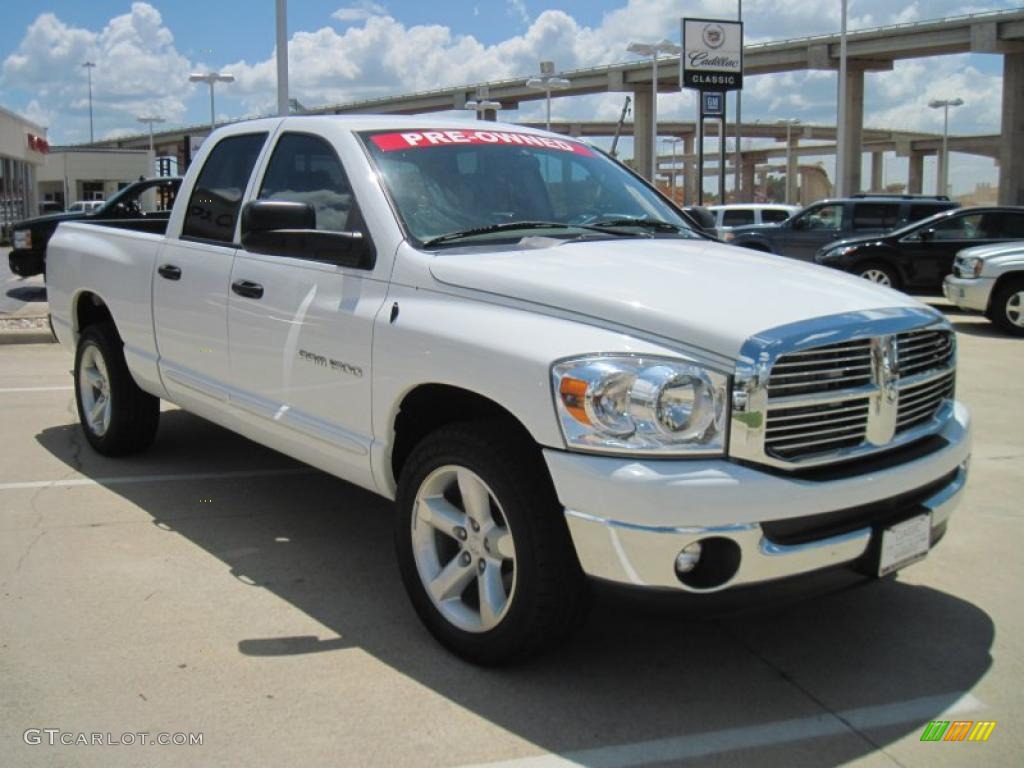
765,735
130,479
8,390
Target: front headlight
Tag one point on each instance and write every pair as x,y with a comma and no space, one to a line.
838,253
969,267
22,239
627,404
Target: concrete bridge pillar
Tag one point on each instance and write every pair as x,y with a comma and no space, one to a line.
689,171
877,171
642,145
1011,163
915,174
848,177
791,169
746,190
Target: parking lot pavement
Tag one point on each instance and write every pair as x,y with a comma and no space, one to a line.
213,586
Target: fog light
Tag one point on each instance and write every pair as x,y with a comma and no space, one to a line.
687,560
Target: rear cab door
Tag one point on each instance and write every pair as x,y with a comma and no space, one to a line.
192,277
301,331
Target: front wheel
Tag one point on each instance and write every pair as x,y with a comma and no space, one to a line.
483,547
117,417
1007,308
879,274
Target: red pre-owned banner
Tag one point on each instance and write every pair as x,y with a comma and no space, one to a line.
391,142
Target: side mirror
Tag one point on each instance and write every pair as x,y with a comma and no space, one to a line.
280,228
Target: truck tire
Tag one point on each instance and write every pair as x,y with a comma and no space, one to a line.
495,577
877,273
117,417
1006,309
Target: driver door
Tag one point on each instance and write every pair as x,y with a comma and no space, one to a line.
811,230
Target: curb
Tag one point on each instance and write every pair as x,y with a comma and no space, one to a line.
27,336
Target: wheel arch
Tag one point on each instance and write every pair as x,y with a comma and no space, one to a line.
88,308
430,406
1007,277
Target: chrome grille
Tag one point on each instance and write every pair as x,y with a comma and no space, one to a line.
885,380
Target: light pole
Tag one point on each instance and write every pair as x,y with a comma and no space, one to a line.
841,112
944,105
672,141
482,104
150,120
737,171
89,67
652,50
548,82
210,78
282,58
789,155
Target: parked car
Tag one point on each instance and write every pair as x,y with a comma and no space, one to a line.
823,222
990,279
552,380
131,205
730,216
918,257
86,206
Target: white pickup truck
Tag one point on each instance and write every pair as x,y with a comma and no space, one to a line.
533,353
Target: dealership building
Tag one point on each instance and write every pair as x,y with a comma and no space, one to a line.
23,149
71,174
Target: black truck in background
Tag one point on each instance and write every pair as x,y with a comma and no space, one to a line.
129,206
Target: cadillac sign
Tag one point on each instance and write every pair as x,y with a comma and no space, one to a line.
712,57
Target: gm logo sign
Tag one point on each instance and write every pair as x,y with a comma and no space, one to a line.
958,730
712,103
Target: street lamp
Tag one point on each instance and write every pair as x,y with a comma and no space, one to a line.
548,82
672,141
482,104
944,105
150,120
210,78
89,67
789,154
652,50
841,189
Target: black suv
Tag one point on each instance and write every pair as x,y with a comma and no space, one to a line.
918,257
801,235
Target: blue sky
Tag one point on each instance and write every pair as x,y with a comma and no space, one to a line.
350,49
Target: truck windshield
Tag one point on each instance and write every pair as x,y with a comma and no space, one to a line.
466,186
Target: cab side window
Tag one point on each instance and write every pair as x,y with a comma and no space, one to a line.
824,217
875,215
305,169
217,197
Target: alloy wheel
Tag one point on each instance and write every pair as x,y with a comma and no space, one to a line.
463,549
1015,308
876,276
94,385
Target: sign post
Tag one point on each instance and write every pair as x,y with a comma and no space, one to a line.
712,63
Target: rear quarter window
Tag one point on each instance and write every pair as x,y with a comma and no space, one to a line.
773,216
217,196
875,215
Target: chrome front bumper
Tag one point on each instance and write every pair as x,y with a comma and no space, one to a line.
644,556
659,509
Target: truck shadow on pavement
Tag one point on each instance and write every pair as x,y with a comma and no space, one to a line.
638,670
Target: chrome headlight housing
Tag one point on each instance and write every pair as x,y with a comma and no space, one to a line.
968,267
839,252
641,404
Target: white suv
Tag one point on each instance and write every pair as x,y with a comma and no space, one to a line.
736,215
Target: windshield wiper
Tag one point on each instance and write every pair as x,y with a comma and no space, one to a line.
513,225
643,223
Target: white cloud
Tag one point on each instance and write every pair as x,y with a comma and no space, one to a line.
517,8
361,11
138,70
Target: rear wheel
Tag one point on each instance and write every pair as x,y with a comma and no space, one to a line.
1007,308
879,274
117,417
483,547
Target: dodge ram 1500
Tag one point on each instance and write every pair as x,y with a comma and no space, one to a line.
532,352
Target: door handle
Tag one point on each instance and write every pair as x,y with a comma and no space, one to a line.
248,289
170,271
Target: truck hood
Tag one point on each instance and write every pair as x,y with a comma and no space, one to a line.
52,218
700,293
